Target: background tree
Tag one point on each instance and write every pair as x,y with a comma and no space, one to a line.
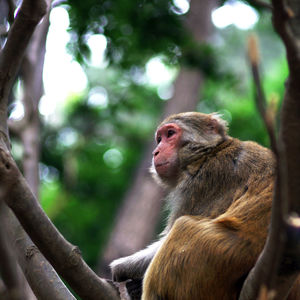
138,216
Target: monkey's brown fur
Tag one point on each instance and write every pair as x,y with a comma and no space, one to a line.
220,194
208,256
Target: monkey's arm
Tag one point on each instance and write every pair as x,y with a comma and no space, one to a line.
135,265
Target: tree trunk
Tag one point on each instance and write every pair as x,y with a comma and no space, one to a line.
32,77
34,266
274,273
140,211
18,196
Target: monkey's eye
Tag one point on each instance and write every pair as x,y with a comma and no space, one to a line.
170,132
158,140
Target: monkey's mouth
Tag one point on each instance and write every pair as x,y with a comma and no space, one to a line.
162,164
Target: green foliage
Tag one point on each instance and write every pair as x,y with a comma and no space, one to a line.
88,161
93,156
234,96
136,29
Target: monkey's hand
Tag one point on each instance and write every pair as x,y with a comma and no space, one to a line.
134,289
126,268
135,265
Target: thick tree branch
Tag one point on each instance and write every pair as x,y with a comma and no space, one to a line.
32,77
11,56
42,278
286,19
286,22
278,265
34,266
12,8
65,257
8,265
16,127
28,17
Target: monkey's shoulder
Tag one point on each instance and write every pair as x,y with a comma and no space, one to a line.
250,148
233,158
258,156
257,149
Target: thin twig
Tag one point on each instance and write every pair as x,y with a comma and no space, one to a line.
3,31
12,8
260,97
261,4
56,3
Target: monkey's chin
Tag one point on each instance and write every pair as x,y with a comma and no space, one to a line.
163,177
163,169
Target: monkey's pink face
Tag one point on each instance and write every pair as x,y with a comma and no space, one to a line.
165,155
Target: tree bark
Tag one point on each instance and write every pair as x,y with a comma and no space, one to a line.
62,255
137,218
8,267
14,190
278,265
42,278
12,54
32,77
286,15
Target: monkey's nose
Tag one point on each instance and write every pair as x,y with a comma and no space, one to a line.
155,152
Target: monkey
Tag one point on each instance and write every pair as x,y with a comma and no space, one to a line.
220,194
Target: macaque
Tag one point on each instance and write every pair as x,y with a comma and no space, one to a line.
220,194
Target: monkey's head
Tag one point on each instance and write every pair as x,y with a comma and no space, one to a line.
183,138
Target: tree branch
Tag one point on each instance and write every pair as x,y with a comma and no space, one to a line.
260,98
261,4
286,22
32,76
42,278
8,265
29,15
278,265
65,257
12,8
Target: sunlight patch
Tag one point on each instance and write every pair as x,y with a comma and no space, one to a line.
237,13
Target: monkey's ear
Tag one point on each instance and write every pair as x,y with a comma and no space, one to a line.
217,124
